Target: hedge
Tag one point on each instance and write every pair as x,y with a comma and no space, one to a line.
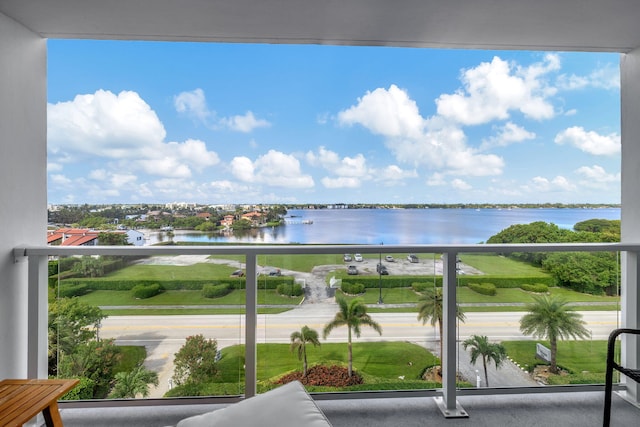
540,288
216,291
146,291
103,284
408,281
70,290
421,286
483,288
289,289
352,288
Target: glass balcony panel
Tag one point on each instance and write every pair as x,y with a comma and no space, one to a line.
121,320
497,294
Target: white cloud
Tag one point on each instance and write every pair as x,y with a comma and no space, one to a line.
123,128
390,113
508,134
491,90
246,123
341,182
606,77
590,141
544,185
54,167
275,169
436,180
98,175
59,179
194,104
459,184
394,173
597,177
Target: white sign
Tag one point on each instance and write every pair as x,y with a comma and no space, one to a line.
543,352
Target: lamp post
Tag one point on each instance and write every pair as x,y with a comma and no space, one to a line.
380,276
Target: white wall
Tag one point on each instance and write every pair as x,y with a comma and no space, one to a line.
630,127
23,186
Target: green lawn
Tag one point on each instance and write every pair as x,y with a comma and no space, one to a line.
200,271
585,360
237,297
496,265
380,364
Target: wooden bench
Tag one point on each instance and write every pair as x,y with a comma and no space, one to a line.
21,400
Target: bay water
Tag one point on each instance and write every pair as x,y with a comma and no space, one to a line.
393,226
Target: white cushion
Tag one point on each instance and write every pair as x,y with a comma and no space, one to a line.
288,405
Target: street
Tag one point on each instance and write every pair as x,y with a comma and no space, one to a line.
164,335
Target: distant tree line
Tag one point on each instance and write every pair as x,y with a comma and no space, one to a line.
590,272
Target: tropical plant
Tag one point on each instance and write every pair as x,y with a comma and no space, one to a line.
481,347
299,341
551,318
353,315
196,360
430,309
133,383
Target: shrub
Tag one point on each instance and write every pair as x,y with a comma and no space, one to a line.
146,291
352,288
70,290
289,289
216,291
538,287
421,286
484,288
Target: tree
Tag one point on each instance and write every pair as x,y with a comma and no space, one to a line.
430,310
89,266
551,318
113,239
133,383
195,362
480,346
71,323
95,360
299,340
353,315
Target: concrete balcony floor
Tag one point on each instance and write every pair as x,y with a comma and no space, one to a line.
540,409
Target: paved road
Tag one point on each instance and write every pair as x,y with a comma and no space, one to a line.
164,335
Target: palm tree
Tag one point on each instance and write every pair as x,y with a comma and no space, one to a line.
552,318
299,340
130,384
353,315
480,346
430,310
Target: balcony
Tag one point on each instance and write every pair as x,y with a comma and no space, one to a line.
495,405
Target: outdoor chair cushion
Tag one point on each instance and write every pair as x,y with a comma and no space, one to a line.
288,405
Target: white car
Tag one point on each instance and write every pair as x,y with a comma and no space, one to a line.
357,257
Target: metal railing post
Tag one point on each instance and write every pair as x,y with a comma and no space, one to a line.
448,404
251,326
37,315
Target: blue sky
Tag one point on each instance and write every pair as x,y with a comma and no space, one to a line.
132,122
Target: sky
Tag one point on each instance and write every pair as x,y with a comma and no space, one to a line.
156,122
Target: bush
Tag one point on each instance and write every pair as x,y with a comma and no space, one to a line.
83,391
421,286
70,290
146,291
289,289
352,288
483,288
216,291
540,288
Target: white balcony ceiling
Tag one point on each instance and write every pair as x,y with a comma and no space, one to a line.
584,25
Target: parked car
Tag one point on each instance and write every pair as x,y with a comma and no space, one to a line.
276,272
347,257
389,258
382,269
412,258
237,273
357,257
352,270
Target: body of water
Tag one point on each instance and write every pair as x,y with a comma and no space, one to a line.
394,226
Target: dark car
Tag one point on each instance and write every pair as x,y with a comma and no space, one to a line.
275,272
382,269
237,273
412,258
352,270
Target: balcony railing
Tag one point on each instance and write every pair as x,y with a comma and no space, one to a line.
37,296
